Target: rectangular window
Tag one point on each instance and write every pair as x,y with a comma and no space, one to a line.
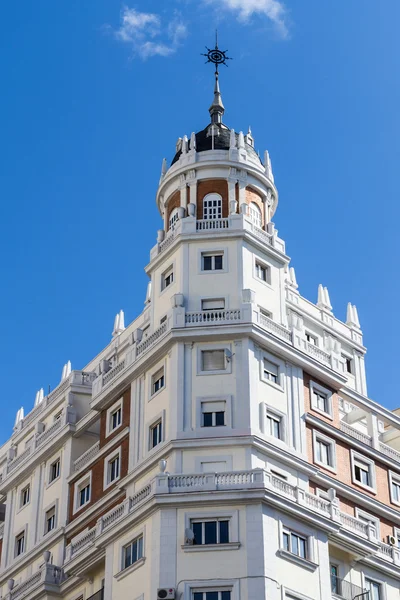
25,495
217,304
213,360
212,262
116,418
265,313
335,582
395,487
362,472
20,544
50,519
312,339
167,278
133,552
213,414
262,272
294,543
212,595
212,208
84,494
348,363
271,371
156,434
157,381
55,470
374,589
113,469
211,532
323,452
274,425
320,401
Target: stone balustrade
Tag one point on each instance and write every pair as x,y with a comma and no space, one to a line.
356,434
212,317
86,457
48,573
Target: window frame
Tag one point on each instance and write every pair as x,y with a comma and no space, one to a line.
394,478
267,410
320,389
319,437
211,347
356,456
123,542
136,538
203,301
313,336
373,579
52,463
221,429
21,495
254,209
160,372
215,515
274,360
78,487
212,197
154,427
116,454
21,535
308,561
118,405
260,263
46,519
211,585
165,275
202,252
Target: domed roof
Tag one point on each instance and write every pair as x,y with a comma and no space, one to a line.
220,140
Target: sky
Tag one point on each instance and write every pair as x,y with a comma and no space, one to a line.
95,94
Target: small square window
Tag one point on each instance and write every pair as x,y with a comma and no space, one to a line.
213,531
312,339
213,360
157,381
156,434
20,544
50,520
212,262
167,278
213,414
294,543
54,470
25,496
271,371
132,552
262,272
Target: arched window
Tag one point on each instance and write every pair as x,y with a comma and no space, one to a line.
173,217
212,206
255,214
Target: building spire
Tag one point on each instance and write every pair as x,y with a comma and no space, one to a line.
217,57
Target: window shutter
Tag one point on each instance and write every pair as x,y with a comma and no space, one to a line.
213,406
271,368
213,360
217,304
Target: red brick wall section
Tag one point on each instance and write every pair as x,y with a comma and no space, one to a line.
253,196
126,415
173,202
97,469
209,186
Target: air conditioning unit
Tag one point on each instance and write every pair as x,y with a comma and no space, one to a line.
391,540
166,594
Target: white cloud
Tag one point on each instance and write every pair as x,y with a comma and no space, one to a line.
148,35
274,10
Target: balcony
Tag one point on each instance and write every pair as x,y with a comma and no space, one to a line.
346,590
33,586
205,482
212,317
86,457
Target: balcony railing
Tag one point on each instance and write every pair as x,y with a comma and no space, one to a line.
390,452
275,328
207,224
213,317
46,574
204,482
86,457
348,591
355,433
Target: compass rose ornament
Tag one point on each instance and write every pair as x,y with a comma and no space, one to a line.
216,56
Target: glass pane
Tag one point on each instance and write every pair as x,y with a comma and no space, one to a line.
218,262
128,556
198,596
223,532
210,532
286,542
211,595
225,595
220,418
295,544
302,547
207,419
207,263
197,530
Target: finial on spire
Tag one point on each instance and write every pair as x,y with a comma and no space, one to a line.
217,57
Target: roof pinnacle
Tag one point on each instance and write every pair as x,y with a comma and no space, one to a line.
217,57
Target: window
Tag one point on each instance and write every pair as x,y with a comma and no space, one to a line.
167,278
213,360
368,519
321,399
335,581
57,416
271,371
173,218
374,588
255,214
133,552
113,469
212,207
84,494
212,262
274,425
265,313
50,520
324,450
348,364
262,272
278,475
211,532
294,543
116,418
20,544
25,496
363,472
212,595
394,488
156,434
312,339
217,304
54,470
213,414
157,381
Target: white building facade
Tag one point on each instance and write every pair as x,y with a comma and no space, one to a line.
223,445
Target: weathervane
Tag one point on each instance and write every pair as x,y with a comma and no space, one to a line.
216,56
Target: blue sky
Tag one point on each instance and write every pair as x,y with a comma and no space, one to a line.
95,94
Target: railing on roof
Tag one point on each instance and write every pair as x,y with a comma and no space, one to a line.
355,433
275,328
